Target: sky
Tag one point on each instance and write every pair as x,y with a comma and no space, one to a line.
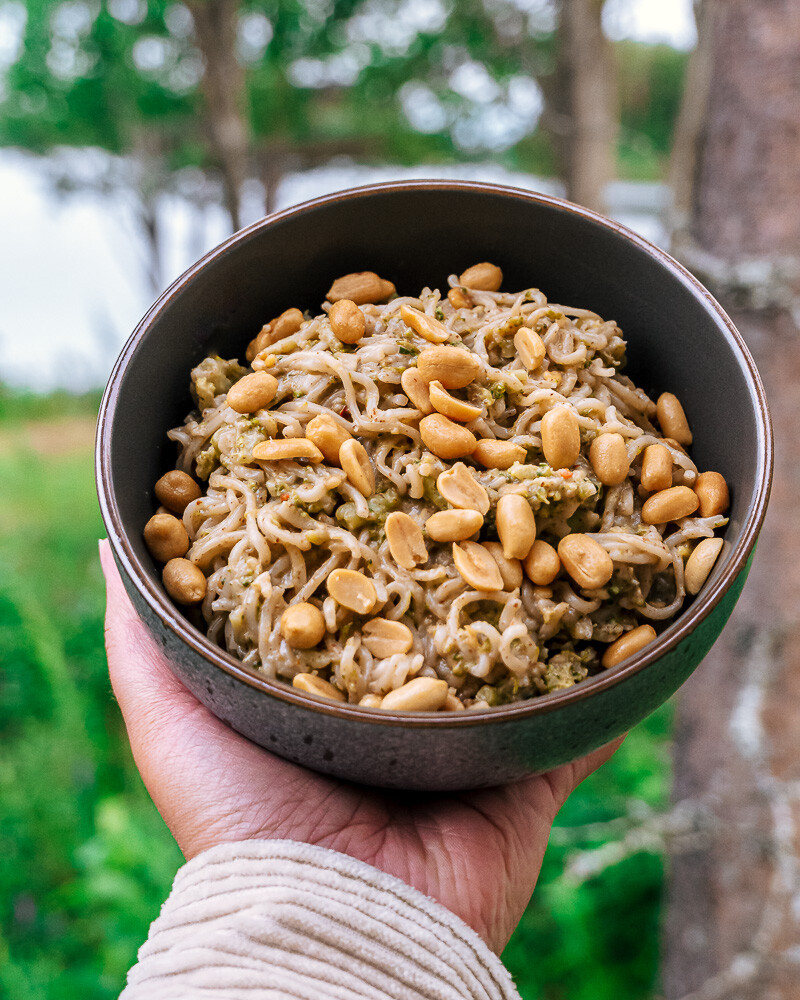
72,276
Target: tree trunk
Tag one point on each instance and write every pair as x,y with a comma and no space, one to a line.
732,928
582,104
225,97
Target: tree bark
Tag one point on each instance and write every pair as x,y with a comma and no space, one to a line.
732,928
582,100
225,97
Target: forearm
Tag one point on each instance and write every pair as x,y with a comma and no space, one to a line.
291,920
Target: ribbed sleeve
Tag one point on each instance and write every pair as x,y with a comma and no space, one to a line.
269,919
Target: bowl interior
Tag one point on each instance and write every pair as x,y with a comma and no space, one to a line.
417,234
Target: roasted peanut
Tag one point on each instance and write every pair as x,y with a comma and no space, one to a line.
426,326
361,287
282,326
498,454
484,277
166,537
258,343
328,435
416,388
530,348
452,367
700,563
352,590
510,569
283,449
253,392
183,581
347,321
561,437
406,541
609,458
383,637
542,564
371,701
422,694
516,525
669,505
460,488
446,439
302,625
453,703
712,492
586,561
672,419
656,468
312,684
459,298
453,525
477,566
455,409
176,490
628,644
357,466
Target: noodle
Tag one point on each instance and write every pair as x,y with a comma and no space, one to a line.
269,534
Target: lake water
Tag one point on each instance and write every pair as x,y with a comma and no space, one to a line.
73,268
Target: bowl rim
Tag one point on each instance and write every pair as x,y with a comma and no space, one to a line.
174,620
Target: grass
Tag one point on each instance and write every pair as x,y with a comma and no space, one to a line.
85,860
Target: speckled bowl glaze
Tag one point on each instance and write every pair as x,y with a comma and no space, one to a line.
417,233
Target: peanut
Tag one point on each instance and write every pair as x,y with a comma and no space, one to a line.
183,581
669,505
282,449
627,645
672,419
416,388
455,409
460,488
498,454
453,525
586,561
289,322
166,537
422,694
328,435
406,541
176,490
361,287
453,703
484,277
371,701
459,298
516,525
426,326
530,348
452,367
446,439
712,492
700,563
542,564
347,321
253,392
609,458
510,569
356,465
312,684
656,468
383,637
477,566
302,626
352,590
561,437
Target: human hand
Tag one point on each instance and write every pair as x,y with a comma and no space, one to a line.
477,853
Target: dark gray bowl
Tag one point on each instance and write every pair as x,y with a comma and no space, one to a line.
416,234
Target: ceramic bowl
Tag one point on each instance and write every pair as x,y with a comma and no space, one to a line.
415,234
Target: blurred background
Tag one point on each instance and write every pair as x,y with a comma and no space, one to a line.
134,136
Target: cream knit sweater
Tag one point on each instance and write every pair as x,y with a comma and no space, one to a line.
269,919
